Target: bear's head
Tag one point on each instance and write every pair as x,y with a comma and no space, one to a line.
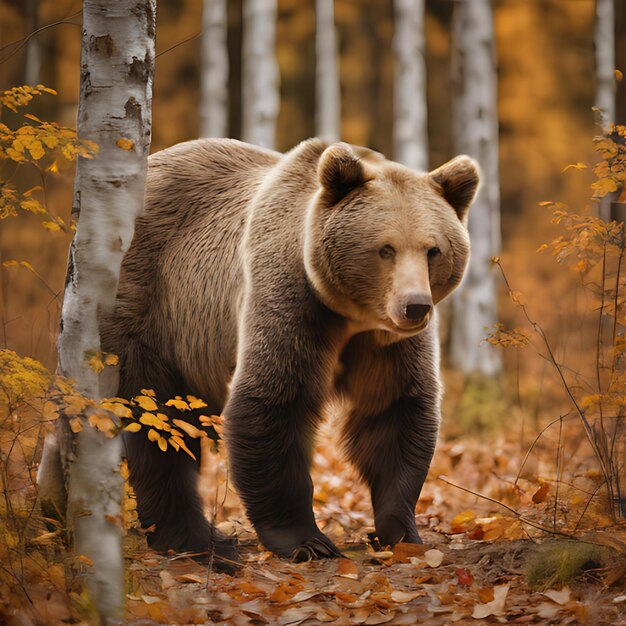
384,243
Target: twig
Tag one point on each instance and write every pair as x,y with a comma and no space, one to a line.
518,515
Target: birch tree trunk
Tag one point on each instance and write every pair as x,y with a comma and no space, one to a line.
474,304
32,66
604,43
410,129
214,70
604,40
327,97
260,84
117,64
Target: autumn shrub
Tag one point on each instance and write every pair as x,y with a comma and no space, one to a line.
595,393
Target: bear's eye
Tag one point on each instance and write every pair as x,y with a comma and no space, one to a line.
433,252
387,252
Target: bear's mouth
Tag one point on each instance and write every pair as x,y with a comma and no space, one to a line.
409,329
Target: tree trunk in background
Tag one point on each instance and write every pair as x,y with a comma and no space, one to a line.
328,115
260,76
32,65
604,43
214,70
474,304
410,129
117,64
604,40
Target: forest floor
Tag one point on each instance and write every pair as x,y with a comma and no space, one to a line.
472,568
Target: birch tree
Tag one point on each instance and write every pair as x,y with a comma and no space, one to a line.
475,130
410,130
32,64
327,97
117,64
214,70
604,43
260,75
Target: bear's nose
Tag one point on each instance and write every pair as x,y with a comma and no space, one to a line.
417,308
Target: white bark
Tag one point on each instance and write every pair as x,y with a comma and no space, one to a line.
260,84
476,133
32,66
327,97
117,64
604,40
214,70
410,129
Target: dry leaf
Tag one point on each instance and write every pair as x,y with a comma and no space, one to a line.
560,597
496,606
433,557
347,569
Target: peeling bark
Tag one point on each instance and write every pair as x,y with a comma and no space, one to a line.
327,73
214,70
474,304
260,84
117,64
410,129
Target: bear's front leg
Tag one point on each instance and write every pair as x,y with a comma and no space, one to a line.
392,430
270,418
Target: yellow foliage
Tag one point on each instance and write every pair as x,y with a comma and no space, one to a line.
146,403
125,144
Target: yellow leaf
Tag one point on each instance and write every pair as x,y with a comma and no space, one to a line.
133,427
162,443
603,186
574,166
196,403
146,403
51,226
119,409
153,435
76,424
36,150
148,392
190,429
111,359
178,441
619,76
11,263
178,403
27,265
125,144
150,419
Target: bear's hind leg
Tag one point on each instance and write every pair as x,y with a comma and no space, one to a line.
165,484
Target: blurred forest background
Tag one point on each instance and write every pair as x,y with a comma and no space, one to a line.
546,90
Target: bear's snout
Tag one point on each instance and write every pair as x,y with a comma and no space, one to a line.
411,311
416,311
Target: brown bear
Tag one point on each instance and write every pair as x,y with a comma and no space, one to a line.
266,284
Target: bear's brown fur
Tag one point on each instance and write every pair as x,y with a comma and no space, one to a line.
267,283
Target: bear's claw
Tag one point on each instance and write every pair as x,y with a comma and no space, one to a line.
316,548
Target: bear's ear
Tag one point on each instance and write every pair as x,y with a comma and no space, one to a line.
457,181
340,171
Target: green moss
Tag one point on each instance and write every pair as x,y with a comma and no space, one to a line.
561,561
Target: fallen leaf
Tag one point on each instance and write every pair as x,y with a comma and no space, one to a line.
463,577
540,495
402,596
496,606
560,597
347,569
433,557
